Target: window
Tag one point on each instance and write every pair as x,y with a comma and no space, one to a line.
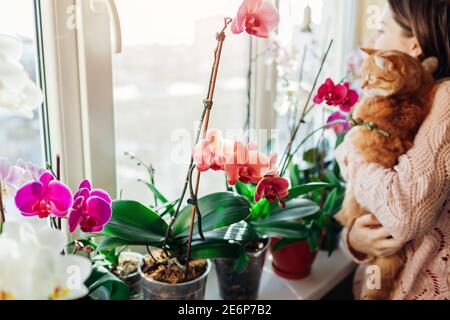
160,81
305,32
21,137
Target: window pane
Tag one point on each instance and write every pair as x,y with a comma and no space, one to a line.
161,79
20,137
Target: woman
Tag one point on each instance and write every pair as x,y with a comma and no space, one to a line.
411,203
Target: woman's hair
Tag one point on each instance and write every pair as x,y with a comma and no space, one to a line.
429,22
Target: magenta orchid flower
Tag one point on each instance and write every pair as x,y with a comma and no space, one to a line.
331,93
340,95
350,100
274,188
92,209
44,197
256,17
338,127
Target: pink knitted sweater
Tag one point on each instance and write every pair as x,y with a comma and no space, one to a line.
412,202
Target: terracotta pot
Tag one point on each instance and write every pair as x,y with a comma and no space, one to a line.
293,261
192,290
245,285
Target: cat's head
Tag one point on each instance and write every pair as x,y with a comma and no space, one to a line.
388,72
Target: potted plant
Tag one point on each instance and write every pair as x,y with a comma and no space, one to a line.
296,224
180,266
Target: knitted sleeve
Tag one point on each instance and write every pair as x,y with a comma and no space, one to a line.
408,199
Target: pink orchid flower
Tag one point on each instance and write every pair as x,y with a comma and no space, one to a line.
274,188
338,127
350,101
92,209
14,176
340,95
247,165
330,93
208,153
44,197
256,17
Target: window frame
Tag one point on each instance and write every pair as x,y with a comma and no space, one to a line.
79,92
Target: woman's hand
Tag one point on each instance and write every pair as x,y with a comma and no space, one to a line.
367,236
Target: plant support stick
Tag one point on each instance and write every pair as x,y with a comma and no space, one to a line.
2,208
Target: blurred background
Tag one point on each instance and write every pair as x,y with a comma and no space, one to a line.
161,76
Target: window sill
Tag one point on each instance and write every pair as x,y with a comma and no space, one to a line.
326,274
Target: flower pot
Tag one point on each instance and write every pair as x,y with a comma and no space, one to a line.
192,290
245,285
133,280
293,261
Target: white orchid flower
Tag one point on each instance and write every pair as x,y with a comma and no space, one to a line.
32,267
18,93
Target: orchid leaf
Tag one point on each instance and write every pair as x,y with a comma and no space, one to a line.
281,229
218,210
295,209
136,224
103,285
157,193
298,191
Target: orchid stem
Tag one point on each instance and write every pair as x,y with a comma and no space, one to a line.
208,107
58,221
289,159
2,208
287,154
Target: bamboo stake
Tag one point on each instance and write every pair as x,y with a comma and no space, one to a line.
208,107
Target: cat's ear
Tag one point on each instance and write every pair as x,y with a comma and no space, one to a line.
383,63
368,51
430,64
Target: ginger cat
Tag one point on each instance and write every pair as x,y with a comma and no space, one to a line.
400,93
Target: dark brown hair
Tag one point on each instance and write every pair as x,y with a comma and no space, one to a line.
429,22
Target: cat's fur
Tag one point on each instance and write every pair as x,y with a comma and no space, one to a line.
400,92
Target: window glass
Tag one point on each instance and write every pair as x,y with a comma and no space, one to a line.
161,80
20,137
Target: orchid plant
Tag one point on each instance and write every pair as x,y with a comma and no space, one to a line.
33,268
45,202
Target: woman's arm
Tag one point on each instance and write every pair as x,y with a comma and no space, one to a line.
408,199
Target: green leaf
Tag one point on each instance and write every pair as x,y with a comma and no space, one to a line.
295,209
241,263
169,208
305,189
283,243
136,224
218,210
281,229
216,249
340,139
112,243
312,156
239,232
334,201
260,209
246,190
294,174
155,191
103,285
